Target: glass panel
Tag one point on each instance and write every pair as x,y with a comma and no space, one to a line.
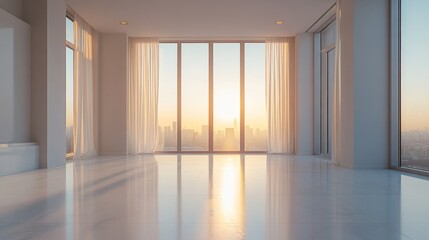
69,101
255,113
329,35
69,30
327,57
195,89
324,104
327,97
330,88
414,85
226,93
167,103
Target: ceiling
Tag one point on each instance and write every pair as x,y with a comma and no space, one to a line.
201,18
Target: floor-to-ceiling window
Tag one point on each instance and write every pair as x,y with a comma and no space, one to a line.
226,104
69,85
327,56
212,96
414,84
167,104
324,87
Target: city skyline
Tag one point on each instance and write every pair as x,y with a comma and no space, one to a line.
227,139
415,148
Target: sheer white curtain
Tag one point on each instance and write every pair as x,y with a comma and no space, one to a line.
336,130
279,60
142,96
83,128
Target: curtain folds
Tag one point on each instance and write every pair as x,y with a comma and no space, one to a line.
142,96
279,60
336,120
83,128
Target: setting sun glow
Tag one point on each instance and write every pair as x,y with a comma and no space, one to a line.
227,107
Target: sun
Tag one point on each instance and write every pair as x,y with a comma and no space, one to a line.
226,106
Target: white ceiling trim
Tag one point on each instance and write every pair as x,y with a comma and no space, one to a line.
202,19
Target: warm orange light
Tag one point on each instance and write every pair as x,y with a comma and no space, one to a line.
123,22
231,187
279,22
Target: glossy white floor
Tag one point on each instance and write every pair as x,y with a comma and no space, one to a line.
212,197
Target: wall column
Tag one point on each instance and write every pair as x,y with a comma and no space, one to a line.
364,141
304,94
48,78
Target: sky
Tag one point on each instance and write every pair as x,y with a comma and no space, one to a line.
195,75
69,73
415,65
167,102
226,85
69,87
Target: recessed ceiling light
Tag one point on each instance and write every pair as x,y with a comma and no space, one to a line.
123,22
279,22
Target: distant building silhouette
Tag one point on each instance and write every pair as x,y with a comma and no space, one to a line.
227,139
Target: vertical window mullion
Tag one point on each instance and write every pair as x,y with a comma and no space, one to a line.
211,96
396,84
179,97
242,98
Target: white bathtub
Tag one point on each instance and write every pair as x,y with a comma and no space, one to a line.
18,157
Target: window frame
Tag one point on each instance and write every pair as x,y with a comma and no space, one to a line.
210,96
395,91
320,70
71,46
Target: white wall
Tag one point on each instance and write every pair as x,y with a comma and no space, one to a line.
6,84
14,79
16,158
372,82
56,83
35,13
365,84
112,93
304,94
346,156
14,7
48,88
